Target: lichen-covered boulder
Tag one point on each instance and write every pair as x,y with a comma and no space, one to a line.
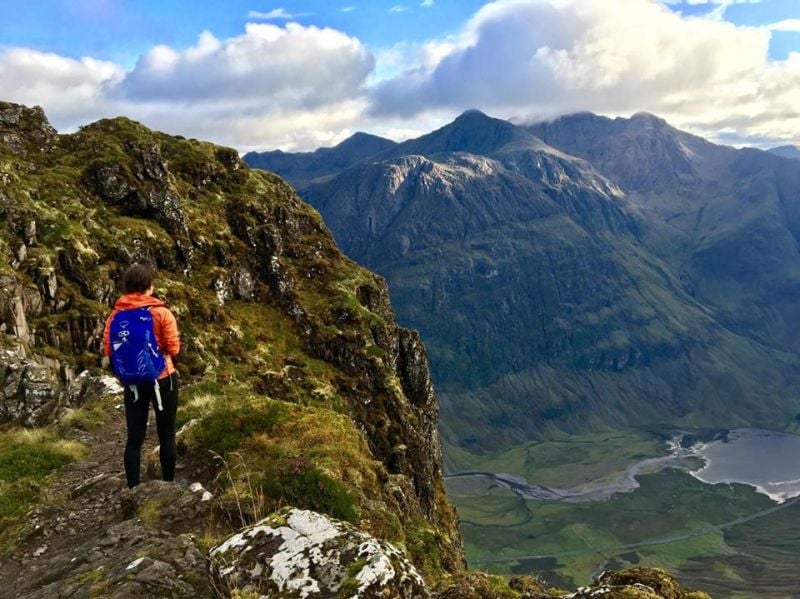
88,387
299,553
637,583
478,585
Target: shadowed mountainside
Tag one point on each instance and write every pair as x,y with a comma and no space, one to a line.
584,273
786,151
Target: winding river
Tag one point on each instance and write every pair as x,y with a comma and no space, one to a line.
766,460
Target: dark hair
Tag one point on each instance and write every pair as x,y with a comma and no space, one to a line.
138,278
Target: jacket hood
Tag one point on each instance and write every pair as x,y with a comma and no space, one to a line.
137,300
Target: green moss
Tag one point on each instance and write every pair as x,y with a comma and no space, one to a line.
350,585
227,427
422,545
89,577
298,483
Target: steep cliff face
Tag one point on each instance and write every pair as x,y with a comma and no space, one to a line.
272,316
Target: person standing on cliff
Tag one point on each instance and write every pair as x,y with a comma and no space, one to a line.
141,339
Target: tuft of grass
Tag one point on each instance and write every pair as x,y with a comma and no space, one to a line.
297,482
226,427
150,512
27,458
85,418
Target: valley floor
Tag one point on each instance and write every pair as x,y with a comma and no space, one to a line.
726,540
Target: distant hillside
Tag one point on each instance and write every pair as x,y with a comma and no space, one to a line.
584,272
786,151
300,169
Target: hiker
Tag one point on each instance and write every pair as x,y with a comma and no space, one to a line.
141,339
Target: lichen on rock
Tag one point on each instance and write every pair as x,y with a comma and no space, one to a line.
299,553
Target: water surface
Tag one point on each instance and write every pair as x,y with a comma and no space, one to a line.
766,460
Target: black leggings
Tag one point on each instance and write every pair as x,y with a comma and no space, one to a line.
136,415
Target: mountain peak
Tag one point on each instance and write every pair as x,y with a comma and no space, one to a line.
362,144
787,151
472,113
472,131
643,115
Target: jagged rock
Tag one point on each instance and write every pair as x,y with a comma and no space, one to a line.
31,392
166,503
299,553
636,583
25,124
87,386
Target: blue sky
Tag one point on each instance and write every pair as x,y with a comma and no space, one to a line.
122,30
296,74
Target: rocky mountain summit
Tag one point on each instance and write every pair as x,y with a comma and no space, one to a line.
583,273
308,423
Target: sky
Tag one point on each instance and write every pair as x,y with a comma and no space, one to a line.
299,74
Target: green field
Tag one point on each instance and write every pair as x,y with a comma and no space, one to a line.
567,461
672,521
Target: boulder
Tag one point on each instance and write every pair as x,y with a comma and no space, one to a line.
299,553
31,393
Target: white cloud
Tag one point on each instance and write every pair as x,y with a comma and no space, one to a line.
786,25
398,8
427,3
350,8
70,89
279,14
291,66
540,58
299,87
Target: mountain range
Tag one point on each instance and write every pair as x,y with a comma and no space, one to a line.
577,274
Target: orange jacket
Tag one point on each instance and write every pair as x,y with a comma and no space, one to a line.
164,325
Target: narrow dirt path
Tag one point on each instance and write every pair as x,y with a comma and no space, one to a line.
79,504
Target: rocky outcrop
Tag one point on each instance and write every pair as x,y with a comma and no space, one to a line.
636,583
32,392
298,553
140,551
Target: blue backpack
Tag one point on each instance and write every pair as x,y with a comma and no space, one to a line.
135,357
